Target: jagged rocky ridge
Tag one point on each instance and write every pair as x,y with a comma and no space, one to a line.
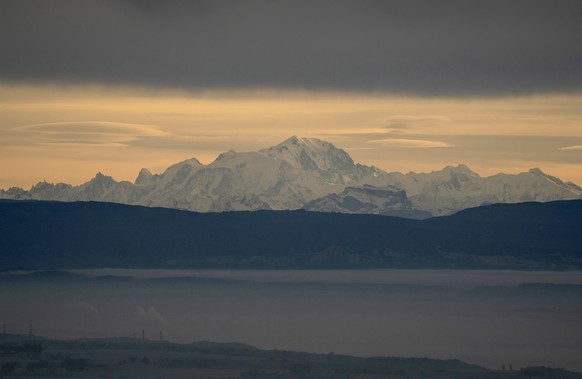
310,173
387,201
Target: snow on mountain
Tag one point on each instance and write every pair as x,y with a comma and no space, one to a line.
100,188
331,164
387,201
455,188
310,173
285,176
15,193
145,177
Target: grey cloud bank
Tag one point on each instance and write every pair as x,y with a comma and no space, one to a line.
450,48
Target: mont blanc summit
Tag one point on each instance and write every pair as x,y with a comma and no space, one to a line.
312,174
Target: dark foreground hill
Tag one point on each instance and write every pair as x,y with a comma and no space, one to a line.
48,235
139,358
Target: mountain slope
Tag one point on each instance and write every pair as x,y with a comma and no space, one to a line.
456,188
46,235
298,171
387,201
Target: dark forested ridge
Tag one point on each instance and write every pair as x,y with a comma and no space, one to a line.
49,235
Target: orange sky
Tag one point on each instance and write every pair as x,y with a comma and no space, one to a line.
67,134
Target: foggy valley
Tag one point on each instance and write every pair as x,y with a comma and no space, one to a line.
489,318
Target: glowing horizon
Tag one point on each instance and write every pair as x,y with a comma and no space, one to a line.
67,134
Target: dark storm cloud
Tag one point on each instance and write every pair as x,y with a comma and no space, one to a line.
413,47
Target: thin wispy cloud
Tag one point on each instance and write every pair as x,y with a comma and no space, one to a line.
97,133
574,147
408,122
410,143
93,127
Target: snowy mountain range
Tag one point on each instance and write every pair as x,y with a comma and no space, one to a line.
312,174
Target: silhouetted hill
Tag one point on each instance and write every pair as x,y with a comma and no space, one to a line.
140,357
132,357
48,235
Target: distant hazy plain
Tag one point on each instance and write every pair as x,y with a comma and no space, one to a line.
491,318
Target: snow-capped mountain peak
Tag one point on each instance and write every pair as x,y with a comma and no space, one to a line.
145,177
186,165
448,173
102,179
310,154
299,171
538,172
462,169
